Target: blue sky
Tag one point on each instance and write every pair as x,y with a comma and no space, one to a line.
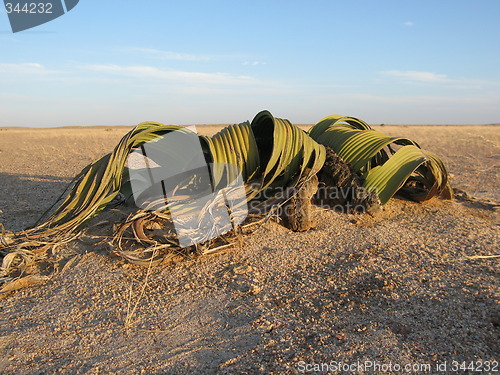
123,62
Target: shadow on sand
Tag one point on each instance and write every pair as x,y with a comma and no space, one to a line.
24,198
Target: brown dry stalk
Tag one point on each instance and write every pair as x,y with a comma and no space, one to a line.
131,313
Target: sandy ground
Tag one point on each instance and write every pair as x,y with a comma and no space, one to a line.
411,287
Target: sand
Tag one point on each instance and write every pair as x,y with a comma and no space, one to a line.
415,286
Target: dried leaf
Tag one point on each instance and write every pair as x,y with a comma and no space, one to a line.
23,282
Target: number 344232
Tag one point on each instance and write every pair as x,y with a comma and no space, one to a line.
29,8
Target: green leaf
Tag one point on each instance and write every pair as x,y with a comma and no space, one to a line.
387,179
371,154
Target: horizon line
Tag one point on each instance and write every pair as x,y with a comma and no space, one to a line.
227,124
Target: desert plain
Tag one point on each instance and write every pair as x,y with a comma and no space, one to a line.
416,285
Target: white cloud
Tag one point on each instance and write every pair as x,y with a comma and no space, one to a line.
427,100
150,72
27,73
415,76
254,63
170,55
411,76
409,23
25,68
8,38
